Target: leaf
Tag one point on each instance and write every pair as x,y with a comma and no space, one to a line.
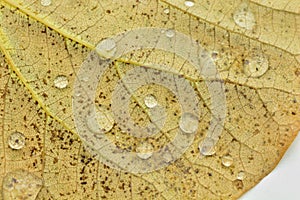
240,59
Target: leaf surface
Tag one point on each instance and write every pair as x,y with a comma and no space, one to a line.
254,45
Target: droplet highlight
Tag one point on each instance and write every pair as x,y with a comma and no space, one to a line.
150,101
227,160
188,123
61,82
106,48
46,3
144,151
243,17
255,65
16,140
166,10
189,3
170,33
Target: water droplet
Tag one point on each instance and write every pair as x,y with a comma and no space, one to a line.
243,17
256,65
16,140
207,147
144,151
188,123
21,184
150,101
241,175
227,160
166,10
61,82
46,2
189,3
104,118
106,48
170,33
238,184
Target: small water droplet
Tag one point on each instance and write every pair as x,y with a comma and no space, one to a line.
241,175
243,17
189,3
256,65
16,140
61,82
170,33
144,151
207,147
227,160
166,10
107,48
46,2
188,123
150,101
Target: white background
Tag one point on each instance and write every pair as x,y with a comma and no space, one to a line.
283,183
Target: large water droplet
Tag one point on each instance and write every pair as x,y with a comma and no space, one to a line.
241,175
256,65
144,151
189,3
207,147
170,33
188,123
227,160
21,184
243,17
61,82
46,2
150,101
16,140
104,118
107,48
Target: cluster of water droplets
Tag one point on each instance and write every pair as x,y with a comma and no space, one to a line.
112,48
